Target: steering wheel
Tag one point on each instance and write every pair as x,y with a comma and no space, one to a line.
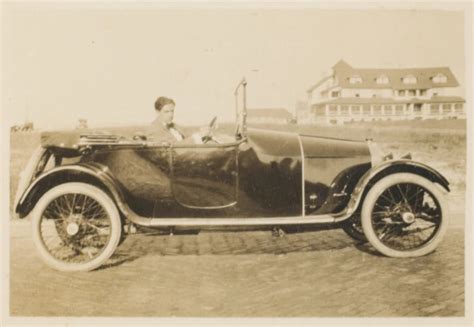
212,126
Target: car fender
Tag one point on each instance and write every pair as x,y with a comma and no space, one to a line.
390,167
406,165
95,174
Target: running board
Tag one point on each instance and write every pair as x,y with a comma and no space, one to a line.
168,222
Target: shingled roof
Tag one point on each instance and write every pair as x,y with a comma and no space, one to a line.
424,77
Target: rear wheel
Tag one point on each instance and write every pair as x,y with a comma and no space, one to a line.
353,227
404,215
76,227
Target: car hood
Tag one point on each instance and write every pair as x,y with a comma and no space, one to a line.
278,143
325,147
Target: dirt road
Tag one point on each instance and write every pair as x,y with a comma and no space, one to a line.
253,274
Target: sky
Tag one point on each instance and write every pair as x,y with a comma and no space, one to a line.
108,63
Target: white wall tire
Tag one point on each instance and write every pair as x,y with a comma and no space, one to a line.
404,215
88,231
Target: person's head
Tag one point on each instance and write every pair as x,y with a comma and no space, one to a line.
164,108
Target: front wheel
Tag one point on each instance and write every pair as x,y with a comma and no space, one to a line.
404,215
76,227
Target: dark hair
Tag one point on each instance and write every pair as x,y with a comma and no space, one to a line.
161,102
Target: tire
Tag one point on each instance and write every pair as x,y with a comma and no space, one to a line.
404,215
88,231
353,227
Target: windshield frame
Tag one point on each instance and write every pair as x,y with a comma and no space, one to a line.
241,115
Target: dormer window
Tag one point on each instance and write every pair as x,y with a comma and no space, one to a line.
439,78
356,79
382,80
409,79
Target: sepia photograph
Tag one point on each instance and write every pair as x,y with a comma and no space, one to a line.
238,161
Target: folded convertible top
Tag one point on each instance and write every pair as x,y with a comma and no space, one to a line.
69,142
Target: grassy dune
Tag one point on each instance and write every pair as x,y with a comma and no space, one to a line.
440,144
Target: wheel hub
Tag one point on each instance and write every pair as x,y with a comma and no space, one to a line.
408,217
72,229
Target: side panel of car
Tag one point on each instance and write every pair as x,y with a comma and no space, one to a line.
204,178
270,174
337,194
269,185
332,167
143,175
205,181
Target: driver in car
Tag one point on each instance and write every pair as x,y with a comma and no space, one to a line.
165,130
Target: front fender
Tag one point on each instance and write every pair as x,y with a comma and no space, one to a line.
407,166
390,167
95,174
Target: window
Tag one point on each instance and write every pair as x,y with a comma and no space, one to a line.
344,110
334,94
409,79
357,95
399,109
439,78
401,93
356,79
417,108
422,92
355,110
446,108
411,93
366,109
332,110
458,108
383,79
434,109
387,109
377,109
320,110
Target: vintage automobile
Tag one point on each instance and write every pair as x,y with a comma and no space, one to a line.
82,189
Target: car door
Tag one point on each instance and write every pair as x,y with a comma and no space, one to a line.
204,176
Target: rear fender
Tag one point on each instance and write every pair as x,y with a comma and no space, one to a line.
94,174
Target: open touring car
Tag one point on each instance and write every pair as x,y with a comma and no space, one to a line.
81,189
